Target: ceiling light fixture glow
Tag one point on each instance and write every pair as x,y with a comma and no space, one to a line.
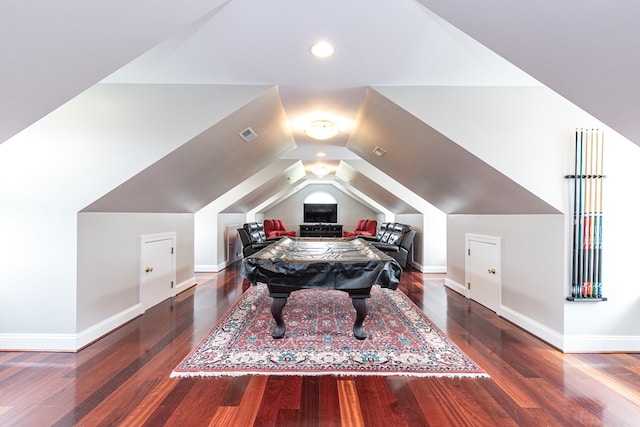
320,170
321,129
322,49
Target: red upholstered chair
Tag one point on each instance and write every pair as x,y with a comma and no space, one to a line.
276,228
364,227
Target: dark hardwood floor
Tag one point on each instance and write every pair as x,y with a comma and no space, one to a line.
123,379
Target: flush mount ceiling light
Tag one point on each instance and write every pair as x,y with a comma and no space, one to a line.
322,49
321,129
320,170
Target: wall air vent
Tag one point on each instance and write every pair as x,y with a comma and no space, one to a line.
378,151
248,135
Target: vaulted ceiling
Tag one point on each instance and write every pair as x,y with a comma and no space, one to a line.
53,53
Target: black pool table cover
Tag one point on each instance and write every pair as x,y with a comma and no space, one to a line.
303,263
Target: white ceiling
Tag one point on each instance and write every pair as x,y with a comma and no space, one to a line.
55,52
239,45
587,51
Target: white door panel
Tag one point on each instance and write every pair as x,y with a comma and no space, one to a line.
483,271
158,270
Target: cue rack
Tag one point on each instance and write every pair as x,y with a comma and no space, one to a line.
588,182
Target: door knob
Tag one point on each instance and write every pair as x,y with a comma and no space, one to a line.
148,269
492,271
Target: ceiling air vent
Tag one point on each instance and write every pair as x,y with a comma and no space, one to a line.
248,135
378,151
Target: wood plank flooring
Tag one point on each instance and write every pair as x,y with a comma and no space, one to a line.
123,379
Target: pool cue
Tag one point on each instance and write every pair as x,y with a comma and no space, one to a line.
594,220
580,214
592,210
585,217
576,227
600,174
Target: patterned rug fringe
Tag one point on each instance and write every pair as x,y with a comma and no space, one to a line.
176,374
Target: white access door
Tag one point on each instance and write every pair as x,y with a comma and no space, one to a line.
483,270
158,275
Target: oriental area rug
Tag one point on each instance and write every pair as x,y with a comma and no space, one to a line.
319,339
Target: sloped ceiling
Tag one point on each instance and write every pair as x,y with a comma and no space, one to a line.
51,56
434,167
52,51
589,52
352,178
209,165
289,174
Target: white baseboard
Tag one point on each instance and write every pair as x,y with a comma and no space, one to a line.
434,269
565,343
529,325
38,342
100,329
206,268
601,344
573,343
541,331
74,342
212,268
428,268
67,342
455,286
415,265
183,286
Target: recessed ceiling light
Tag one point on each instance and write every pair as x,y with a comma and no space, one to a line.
321,129
322,49
321,154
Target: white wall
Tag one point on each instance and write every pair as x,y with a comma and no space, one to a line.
37,276
527,134
229,246
290,210
210,224
431,248
613,325
430,243
417,224
211,239
55,168
109,266
533,267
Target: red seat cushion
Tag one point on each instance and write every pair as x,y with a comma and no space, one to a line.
276,228
364,227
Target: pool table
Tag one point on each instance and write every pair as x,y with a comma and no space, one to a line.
349,265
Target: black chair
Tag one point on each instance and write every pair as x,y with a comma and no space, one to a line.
385,230
395,240
253,238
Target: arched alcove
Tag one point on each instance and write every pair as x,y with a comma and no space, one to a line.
320,197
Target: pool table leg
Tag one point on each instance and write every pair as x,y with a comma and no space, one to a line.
277,304
360,304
